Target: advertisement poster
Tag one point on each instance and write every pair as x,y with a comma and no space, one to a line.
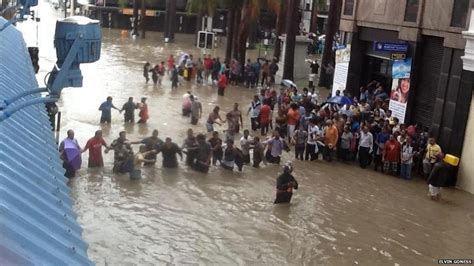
401,71
343,56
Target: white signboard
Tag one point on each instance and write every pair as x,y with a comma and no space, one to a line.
343,57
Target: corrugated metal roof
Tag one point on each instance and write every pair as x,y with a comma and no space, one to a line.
37,223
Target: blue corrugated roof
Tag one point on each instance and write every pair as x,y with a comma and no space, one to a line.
37,223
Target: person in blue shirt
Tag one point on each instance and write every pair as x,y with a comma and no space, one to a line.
106,108
257,66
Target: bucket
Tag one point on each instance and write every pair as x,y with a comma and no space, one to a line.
451,160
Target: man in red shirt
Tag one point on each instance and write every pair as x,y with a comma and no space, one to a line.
265,117
221,84
391,156
94,145
207,67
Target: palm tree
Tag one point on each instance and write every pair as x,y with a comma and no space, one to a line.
170,19
143,16
291,28
202,8
249,12
241,15
135,18
230,35
279,28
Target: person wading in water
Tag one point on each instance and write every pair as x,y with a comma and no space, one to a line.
286,182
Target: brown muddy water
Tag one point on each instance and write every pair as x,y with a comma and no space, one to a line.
341,215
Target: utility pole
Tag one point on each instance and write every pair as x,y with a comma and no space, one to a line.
328,54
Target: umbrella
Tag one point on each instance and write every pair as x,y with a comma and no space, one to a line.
341,100
182,58
288,83
73,154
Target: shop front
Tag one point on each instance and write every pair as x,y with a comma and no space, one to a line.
378,55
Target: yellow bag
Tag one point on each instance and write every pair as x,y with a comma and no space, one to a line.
185,73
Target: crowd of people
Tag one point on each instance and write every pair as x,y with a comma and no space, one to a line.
210,70
280,120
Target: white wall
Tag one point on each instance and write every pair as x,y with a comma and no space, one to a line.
466,168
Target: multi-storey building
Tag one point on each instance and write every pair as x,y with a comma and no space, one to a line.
429,32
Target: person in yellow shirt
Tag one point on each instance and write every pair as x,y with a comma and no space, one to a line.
138,160
433,151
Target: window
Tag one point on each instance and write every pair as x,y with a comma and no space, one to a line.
459,15
411,10
349,8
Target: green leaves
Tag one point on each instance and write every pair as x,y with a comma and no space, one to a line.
207,7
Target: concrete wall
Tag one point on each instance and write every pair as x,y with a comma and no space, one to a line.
434,19
380,11
466,169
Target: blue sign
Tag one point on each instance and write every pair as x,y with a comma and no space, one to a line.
391,47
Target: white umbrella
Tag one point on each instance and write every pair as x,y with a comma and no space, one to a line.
288,83
182,58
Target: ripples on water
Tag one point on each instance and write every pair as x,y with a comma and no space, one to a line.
341,215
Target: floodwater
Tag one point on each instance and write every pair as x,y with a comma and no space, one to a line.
341,215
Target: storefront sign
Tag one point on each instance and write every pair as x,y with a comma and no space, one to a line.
401,71
341,71
391,47
148,13
127,11
398,56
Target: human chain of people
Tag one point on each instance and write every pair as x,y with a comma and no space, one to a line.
281,118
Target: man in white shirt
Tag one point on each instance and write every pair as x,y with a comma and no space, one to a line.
245,143
366,144
346,110
254,111
314,134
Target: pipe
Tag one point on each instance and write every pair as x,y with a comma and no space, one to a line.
10,111
11,100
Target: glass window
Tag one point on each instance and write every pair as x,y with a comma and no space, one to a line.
411,10
349,8
459,16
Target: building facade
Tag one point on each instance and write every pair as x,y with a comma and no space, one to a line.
429,32
466,169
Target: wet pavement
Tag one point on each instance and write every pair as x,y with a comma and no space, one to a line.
341,215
